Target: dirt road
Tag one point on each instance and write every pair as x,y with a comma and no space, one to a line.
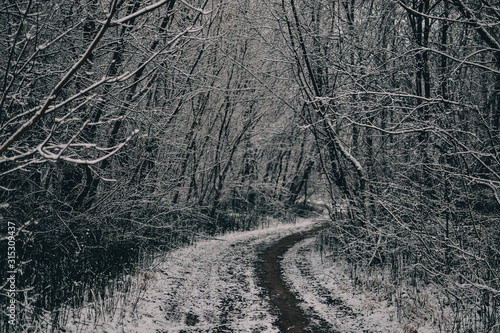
268,280
291,318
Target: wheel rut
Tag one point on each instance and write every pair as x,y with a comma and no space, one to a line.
291,318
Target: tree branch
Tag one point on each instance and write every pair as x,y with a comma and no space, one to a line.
57,89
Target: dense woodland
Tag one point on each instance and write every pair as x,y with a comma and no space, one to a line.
129,127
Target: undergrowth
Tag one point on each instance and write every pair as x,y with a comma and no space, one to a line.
420,299
94,273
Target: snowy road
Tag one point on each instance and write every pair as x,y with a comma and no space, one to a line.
214,287
291,317
217,286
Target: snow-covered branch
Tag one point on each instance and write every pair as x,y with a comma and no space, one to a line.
47,154
58,87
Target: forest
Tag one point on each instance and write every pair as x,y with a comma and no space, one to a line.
130,127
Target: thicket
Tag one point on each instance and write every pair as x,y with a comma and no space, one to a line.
128,127
403,100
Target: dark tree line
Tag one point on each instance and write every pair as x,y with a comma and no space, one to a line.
132,126
402,98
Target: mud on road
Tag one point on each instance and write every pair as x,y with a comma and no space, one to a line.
291,318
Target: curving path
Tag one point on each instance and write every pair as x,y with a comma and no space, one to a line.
291,318
266,280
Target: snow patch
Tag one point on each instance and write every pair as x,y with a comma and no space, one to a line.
325,288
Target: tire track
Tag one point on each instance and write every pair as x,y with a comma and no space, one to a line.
325,296
291,318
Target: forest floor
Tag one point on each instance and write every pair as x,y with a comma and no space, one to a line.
232,284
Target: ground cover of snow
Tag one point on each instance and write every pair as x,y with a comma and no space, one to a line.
324,286
212,287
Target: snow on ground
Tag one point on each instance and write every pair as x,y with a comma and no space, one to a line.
210,286
326,290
